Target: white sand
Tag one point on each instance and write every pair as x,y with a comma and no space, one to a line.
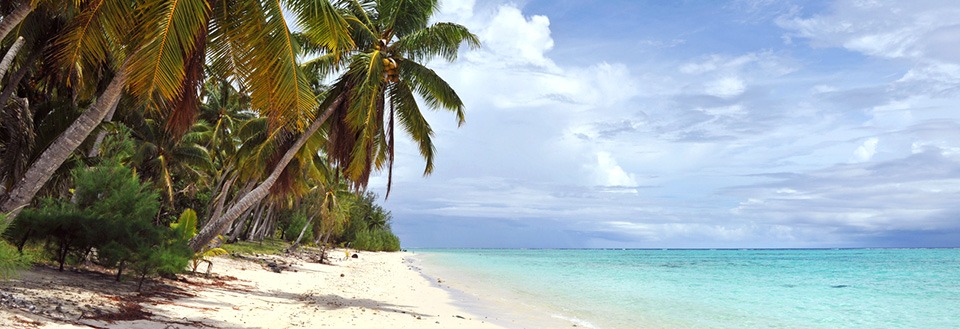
376,290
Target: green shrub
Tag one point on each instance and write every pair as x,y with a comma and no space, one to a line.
164,260
376,240
66,230
112,215
297,222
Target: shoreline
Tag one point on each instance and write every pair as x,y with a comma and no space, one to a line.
496,304
373,290
502,309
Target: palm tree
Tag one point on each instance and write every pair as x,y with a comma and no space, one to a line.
158,47
391,36
167,161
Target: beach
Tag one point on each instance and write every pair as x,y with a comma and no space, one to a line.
372,290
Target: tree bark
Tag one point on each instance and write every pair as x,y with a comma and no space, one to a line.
95,150
238,226
14,19
221,198
8,58
215,226
261,219
43,168
11,86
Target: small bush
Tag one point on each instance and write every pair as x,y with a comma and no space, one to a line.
110,223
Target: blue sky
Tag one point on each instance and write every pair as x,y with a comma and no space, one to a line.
693,124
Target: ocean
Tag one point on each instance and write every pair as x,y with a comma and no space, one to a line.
845,288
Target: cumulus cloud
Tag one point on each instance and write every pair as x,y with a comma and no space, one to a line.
609,173
867,150
752,143
516,39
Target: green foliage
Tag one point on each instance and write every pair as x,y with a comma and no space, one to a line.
376,240
268,247
113,216
115,192
368,227
165,260
297,222
11,261
67,230
185,228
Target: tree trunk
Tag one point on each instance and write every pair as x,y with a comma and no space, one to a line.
261,217
43,168
221,198
8,58
302,231
14,19
269,224
266,224
213,228
95,150
11,86
238,227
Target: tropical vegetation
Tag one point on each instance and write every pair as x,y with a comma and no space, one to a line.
142,134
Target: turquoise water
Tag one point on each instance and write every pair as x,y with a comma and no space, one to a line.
852,288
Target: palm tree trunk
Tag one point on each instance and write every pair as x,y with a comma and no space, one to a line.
14,19
261,220
95,150
43,168
11,86
213,228
222,197
302,231
8,58
238,227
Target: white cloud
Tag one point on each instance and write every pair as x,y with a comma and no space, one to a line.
761,146
867,150
922,30
726,87
609,173
514,39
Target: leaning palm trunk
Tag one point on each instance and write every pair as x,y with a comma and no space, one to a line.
8,58
14,19
296,244
43,168
95,149
216,225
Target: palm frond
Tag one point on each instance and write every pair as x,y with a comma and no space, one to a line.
226,53
278,88
406,16
322,24
411,119
194,156
92,38
440,39
170,30
434,90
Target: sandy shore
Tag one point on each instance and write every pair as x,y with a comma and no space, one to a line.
375,290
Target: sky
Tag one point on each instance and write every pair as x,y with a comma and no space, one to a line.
692,124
